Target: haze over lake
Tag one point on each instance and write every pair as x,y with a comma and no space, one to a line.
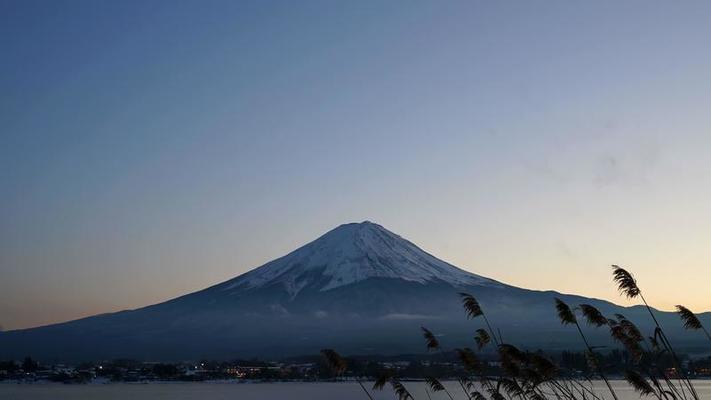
231,391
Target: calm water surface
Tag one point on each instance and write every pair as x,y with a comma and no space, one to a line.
236,391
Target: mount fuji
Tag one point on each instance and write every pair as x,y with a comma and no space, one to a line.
350,254
359,288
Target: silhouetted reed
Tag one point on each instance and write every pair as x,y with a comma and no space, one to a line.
433,345
473,309
627,285
594,317
482,338
338,366
389,376
640,384
645,359
530,376
691,321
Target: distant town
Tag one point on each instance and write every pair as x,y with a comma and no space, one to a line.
308,368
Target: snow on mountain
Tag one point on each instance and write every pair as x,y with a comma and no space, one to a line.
352,253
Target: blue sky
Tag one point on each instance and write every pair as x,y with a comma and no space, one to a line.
155,148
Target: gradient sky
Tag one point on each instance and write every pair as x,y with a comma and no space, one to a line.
153,148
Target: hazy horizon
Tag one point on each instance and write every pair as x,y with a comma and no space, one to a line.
154,149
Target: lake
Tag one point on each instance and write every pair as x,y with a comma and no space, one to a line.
248,391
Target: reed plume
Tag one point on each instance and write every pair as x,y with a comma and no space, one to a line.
470,361
640,384
400,390
434,384
388,376
383,378
433,344
335,362
627,285
544,367
475,367
629,328
565,314
495,394
511,387
691,321
482,338
471,305
627,335
473,309
527,372
437,386
518,365
430,339
593,315
338,365
567,317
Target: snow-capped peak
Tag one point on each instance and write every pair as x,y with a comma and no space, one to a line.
352,253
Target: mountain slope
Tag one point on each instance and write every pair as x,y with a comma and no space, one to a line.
359,288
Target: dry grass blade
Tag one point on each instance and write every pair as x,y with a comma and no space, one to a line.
430,339
593,315
482,338
626,283
689,318
335,362
564,312
639,383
